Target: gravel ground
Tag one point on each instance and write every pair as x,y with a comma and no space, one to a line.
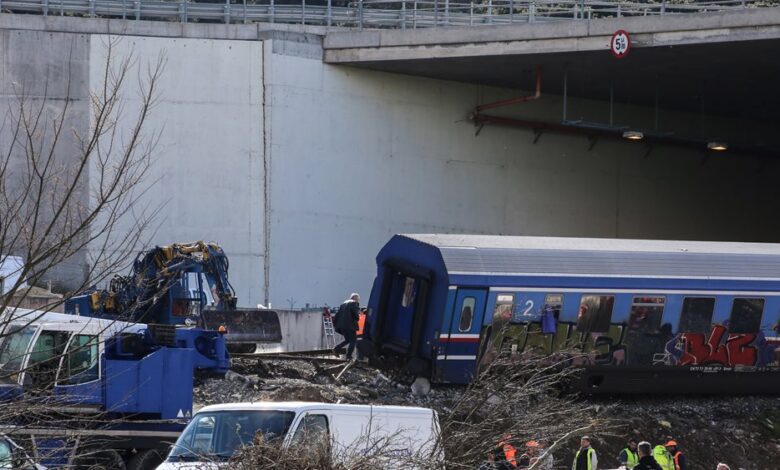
741,431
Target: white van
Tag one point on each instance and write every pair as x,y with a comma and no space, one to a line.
217,431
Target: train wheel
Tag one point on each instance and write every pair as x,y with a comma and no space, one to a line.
146,460
98,459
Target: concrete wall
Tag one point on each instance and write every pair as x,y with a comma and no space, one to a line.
359,155
40,71
207,167
301,331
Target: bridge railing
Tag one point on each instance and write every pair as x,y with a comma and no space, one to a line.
396,14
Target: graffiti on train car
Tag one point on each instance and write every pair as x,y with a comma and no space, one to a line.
606,348
621,345
722,348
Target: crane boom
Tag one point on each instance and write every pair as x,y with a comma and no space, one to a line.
181,283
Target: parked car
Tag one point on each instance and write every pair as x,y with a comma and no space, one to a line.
396,434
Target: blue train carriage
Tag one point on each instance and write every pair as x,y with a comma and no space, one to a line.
700,316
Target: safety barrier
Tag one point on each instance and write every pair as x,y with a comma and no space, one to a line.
397,14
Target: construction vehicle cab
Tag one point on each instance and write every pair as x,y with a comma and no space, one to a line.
46,352
104,364
126,388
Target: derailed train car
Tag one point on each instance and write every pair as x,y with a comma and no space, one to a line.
648,316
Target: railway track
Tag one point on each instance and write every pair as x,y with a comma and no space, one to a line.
315,355
331,366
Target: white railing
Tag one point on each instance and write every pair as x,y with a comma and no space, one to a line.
397,14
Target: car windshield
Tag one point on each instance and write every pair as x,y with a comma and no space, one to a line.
219,434
13,348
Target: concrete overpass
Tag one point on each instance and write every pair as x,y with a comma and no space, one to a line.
721,63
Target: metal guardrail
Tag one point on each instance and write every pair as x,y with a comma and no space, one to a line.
373,14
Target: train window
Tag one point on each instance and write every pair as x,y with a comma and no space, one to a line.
504,306
595,313
696,315
746,315
408,297
555,301
467,314
646,314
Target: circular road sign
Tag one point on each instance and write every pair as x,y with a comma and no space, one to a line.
620,44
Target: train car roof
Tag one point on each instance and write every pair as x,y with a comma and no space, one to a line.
489,255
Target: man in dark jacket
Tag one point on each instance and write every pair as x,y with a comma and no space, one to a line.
646,460
585,458
346,324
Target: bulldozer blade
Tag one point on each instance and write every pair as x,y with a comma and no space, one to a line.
245,325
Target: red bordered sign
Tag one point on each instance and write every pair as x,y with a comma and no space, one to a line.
620,44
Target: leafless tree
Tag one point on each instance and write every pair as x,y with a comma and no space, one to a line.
64,189
74,167
321,453
516,399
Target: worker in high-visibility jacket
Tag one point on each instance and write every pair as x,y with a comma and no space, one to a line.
678,458
585,458
663,457
628,457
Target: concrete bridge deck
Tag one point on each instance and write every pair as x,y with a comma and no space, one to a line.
690,62
554,37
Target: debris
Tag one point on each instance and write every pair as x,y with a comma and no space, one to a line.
421,387
346,367
493,400
236,377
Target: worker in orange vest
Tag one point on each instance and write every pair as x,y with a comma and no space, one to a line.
510,452
361,321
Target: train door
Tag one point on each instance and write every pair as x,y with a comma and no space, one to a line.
458,346
401,314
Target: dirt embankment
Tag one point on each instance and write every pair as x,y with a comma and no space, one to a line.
743,432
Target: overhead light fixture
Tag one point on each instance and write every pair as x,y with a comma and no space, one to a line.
633,135
717,146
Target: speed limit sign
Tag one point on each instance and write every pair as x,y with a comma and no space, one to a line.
620,44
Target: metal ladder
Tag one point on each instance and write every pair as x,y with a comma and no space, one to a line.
327,325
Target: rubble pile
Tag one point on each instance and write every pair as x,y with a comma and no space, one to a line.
741,431
304,380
